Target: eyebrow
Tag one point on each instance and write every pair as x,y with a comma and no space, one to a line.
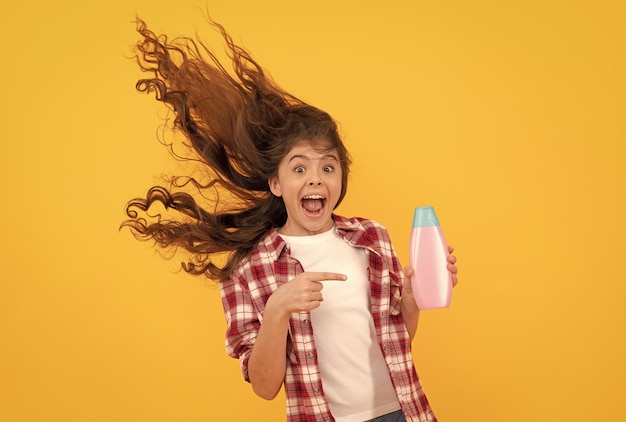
306,157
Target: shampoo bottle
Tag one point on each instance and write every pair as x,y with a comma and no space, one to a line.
431,281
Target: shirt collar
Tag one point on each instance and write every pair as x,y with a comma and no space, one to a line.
352,231
274,244
349,229
346,228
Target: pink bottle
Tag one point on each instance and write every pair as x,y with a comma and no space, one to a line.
432,282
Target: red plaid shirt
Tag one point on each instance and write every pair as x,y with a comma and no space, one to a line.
246,291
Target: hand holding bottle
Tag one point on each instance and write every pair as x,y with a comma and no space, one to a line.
409,272
433,270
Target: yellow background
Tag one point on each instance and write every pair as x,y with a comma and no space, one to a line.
507,116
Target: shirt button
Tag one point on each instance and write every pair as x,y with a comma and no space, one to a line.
306,321
316,389
309,354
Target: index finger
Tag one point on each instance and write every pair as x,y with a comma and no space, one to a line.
321,276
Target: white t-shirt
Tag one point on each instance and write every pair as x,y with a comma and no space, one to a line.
354,374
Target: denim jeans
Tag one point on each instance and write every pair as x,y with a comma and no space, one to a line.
396,416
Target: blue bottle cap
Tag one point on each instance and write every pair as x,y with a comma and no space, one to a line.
425,217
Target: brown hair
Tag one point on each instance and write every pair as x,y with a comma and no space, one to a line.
239,125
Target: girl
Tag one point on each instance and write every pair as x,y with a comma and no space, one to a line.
314,302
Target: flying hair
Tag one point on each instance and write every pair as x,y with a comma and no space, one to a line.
237,124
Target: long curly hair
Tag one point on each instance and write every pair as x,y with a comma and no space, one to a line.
238,125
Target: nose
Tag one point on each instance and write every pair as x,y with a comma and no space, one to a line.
315,179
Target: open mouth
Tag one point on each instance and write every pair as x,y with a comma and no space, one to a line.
313,204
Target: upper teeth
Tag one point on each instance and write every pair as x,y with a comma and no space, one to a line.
314,197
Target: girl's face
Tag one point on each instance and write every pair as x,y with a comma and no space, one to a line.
309,181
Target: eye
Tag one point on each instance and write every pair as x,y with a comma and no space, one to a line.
328,169
299,169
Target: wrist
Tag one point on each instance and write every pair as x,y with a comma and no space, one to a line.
410,314
274,311
408,302
409,306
